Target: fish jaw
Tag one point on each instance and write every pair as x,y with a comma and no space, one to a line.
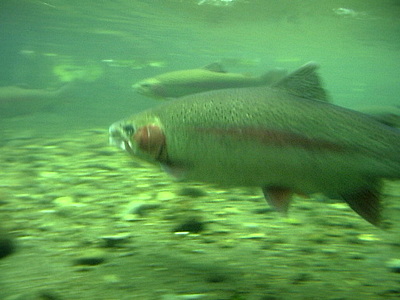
119,136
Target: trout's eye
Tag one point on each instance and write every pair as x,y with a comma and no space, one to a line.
129,130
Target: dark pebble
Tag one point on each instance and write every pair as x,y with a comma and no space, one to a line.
7,246
192,225
216,278
192,192
300,278
88,261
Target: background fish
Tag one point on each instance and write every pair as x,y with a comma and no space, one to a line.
16,93
278,138
212,77
15,100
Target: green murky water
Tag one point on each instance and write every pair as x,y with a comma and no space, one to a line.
90,223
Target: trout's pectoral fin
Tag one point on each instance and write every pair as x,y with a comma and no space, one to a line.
366,202
278,197
179,173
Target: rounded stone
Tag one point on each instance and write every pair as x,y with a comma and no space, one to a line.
7,246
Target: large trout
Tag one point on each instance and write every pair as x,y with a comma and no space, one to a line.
280,138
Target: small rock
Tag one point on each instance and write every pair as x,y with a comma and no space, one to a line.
7,246
66,201
292,221
90,258
264,210
368,237
165,195
394,265
216,278
192,192
111,278
253,227
39,295
114,241
141,208
183,297
301,277
192,225
254,236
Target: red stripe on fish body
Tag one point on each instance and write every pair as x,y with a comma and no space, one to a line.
276,138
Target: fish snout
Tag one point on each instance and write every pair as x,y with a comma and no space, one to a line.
136,87
142,88
119,136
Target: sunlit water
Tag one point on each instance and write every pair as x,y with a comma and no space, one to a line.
114,44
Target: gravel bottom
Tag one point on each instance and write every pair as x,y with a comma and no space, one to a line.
89,222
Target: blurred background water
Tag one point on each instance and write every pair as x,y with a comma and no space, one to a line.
106,46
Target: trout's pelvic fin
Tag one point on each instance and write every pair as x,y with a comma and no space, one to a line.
278,197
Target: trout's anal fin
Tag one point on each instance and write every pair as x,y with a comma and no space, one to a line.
366,203
278,197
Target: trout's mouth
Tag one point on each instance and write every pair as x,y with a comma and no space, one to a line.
119,136
127,146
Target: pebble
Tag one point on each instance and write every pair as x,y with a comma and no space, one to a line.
183,297
165,195
35,295
115,241
192,192
7,246
111,278
66,201
90,258
393,265
253,227
46,174
368,237
140,208
254,236
292,221
192,225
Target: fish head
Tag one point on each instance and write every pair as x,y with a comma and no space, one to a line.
151,87
142,137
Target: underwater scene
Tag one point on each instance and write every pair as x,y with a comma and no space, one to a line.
199,149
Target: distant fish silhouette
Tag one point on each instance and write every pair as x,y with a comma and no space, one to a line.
15,100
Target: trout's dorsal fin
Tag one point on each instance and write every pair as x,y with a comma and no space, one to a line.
304,83
214,67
